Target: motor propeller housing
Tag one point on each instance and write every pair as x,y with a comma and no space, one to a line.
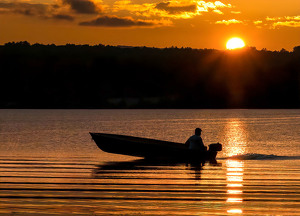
215,147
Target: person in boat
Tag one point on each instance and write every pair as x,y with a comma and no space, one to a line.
195,142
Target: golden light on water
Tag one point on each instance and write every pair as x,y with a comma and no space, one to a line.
235,169
235,200
235,211
234,178
236,138
234,185
234,191
236,143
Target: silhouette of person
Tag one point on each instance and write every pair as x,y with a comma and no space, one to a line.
195,142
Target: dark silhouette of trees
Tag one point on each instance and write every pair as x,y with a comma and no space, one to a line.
83,76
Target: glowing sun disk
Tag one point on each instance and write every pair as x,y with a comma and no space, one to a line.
235,43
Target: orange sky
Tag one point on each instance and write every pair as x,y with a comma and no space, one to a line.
156,23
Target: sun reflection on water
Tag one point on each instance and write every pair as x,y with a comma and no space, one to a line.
236,143
234,177
235,211
236,138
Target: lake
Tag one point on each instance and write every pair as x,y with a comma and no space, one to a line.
50,166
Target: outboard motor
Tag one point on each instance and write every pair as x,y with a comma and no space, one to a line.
215,147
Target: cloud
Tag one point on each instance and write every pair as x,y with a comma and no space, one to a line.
286,21
292,17
82,6
283,18
115,14
294,24
114,21
271,18
218,11
63,17
44,11
268,22
211,6
228,22
176,9
172,9
257,22
25,8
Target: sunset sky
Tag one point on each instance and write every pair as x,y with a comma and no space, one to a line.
155,23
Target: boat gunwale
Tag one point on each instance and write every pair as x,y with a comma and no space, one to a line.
141,140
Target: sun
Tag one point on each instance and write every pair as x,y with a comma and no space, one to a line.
235,43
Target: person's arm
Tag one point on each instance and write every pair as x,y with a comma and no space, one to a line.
202,144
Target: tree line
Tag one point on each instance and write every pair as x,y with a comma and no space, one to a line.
83,76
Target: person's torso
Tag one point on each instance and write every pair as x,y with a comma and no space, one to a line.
195,142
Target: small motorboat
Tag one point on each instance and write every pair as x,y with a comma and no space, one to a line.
153,149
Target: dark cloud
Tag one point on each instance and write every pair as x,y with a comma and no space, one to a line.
6,5
44,11
25,8
63,17
82,6
47,10
173,10
113,21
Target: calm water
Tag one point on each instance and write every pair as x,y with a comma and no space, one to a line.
50,166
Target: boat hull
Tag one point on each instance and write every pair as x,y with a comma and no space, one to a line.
150,148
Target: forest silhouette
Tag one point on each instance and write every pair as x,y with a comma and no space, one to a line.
83,76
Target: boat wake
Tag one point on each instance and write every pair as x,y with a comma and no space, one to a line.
254,156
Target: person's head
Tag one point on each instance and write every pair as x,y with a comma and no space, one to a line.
198,131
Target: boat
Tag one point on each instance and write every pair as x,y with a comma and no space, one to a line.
153,149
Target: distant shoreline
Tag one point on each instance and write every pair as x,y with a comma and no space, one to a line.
113,77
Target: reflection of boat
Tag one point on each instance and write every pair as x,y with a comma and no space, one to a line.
127,169
139,164
150,148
